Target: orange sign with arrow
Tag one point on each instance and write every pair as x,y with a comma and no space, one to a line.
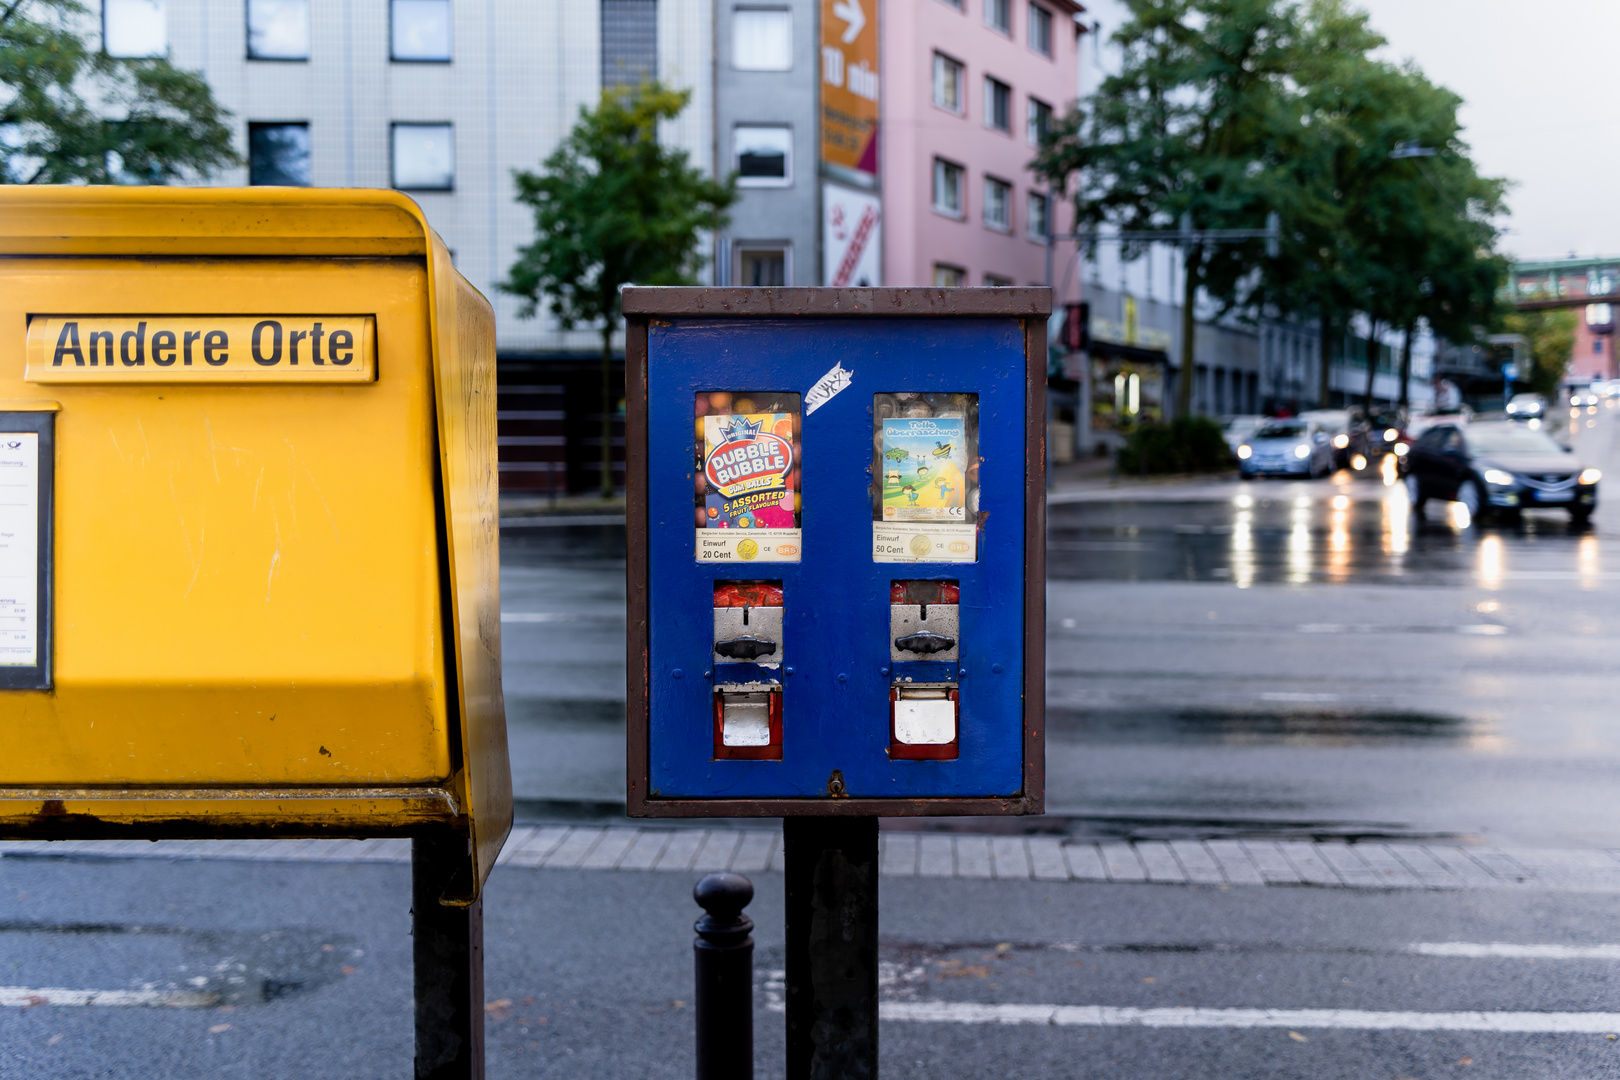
850,88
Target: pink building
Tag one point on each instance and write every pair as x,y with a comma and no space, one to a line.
968,84
1593,355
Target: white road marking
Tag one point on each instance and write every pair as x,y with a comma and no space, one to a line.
22,997
1472,950
963,1012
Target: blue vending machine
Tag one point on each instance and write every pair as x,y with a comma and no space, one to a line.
836,533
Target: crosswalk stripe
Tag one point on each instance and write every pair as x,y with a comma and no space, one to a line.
1470,950
965,1012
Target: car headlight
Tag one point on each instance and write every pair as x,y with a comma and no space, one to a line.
1401,449
1341,441
1391,435
1498,477
1302,451
1244,451
1358,462
1589,476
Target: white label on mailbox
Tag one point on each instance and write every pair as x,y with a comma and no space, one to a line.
19,549
924,722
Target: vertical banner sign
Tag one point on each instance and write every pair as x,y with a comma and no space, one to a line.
849,89
850,229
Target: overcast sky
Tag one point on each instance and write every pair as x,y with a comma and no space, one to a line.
1537,82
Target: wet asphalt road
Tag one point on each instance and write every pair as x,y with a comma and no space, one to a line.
1290,658
1225,659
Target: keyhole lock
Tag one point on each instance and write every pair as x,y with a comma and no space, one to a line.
835,783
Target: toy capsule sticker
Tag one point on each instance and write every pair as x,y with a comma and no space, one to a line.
747,477
925,504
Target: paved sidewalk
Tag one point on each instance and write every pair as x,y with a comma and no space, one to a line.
1220,863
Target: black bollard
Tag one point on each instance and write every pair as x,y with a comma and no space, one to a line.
723,959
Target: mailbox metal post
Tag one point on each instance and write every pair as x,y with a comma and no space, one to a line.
832,947
447,946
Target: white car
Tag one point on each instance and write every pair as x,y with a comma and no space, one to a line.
1336,423
1286,448
1527,407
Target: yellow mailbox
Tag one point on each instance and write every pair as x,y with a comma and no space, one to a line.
248,521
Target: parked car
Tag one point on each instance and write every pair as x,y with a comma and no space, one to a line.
1499,467
1286,448
1526,407
1336,423
1237,429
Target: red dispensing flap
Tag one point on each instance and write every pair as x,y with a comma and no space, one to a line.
748,594
923,592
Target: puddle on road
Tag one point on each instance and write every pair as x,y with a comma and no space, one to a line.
1295,726
238,968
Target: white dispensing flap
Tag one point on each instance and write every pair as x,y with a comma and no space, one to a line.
745,720
925,722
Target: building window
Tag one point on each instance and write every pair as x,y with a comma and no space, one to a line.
998,14
278,154
997,104
996,281
948,277
762,267
762,39
1040,29
997,197
947,187
957,4
1040,121
278,29
1040,219
947,83
629,42
133,29
424,157
419,30
764,156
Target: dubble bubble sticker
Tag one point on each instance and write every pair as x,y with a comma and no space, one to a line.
746,491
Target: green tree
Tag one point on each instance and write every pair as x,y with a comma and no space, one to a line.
1385,211
1227,109
1551,336
612,206
74,115
1182,133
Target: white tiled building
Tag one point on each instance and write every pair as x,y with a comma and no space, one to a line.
443,98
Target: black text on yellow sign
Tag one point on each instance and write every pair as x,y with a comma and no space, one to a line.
201,348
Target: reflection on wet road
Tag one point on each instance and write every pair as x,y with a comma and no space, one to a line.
1224,659
1296,533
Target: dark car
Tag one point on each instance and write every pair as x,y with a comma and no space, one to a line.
1384,434
1498,467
